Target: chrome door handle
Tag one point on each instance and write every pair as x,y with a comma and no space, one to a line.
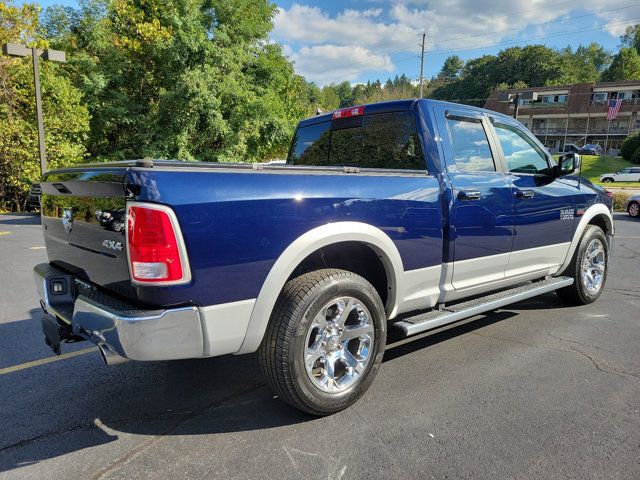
469,195
525,194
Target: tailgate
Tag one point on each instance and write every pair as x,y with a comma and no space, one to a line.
83,218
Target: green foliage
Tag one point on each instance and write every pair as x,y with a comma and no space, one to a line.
631,38
594,166
629,146
518,67
188,79
451,68
625,66
635,156
620,199
66,119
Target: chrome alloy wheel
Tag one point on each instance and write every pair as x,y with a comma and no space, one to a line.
593,266
339,344
634,209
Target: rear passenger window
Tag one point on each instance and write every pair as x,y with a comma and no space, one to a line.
470,145
384,140
311,145
520,152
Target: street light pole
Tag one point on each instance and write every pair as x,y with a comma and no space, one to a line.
36,82
16,50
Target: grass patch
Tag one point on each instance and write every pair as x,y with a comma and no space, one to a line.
593,166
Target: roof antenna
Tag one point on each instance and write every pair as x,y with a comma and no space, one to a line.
319,112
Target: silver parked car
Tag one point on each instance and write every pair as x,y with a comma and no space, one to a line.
629,174
633,206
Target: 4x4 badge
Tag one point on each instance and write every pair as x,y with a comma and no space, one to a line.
67,220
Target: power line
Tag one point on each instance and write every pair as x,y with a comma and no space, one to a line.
513,29
541,37
505,42
535,24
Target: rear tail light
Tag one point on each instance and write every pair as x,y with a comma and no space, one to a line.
155,247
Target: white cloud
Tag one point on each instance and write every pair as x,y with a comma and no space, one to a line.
343,46
312,26
334,63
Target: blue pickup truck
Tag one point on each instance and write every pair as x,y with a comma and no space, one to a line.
406,215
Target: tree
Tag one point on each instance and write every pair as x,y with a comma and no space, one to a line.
629,146
344,93
66,120
625,66
584,65
330,100
631,38
188,79
451,68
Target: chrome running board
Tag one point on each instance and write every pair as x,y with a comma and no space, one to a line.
452,313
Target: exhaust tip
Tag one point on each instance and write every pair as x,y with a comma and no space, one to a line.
110,358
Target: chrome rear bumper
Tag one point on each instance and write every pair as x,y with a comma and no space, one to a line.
108,322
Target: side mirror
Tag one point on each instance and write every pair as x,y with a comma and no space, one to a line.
568,164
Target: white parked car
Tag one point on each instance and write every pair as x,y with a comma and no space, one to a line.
633,206
629,174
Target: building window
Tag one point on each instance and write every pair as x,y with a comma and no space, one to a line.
554,98
599,98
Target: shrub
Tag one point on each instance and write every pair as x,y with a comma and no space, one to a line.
629,146
619,200
635,156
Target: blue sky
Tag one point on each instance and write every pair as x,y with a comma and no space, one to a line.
360,40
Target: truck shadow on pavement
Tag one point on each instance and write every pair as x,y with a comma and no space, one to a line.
65,407
19,219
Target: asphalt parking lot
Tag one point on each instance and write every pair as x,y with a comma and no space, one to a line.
535,390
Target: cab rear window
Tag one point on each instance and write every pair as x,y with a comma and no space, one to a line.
384,140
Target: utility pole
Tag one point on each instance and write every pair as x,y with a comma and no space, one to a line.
422,62
516,103
16,50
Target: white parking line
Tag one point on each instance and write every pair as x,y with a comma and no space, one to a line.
43,361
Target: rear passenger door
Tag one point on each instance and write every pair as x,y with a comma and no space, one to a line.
544,207
481,212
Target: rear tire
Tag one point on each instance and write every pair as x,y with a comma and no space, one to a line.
588,268
325,341
633,209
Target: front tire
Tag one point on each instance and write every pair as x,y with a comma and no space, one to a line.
633,209
607,180
325,341
588,268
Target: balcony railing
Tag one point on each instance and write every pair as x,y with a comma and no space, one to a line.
546,105
541,105
625,101
580,131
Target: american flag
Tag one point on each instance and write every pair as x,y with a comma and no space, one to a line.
614,108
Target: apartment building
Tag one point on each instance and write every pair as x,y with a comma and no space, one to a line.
574,113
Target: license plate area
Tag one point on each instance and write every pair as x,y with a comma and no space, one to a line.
55,332
61,294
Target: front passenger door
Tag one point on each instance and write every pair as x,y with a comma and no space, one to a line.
544,204
481,212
